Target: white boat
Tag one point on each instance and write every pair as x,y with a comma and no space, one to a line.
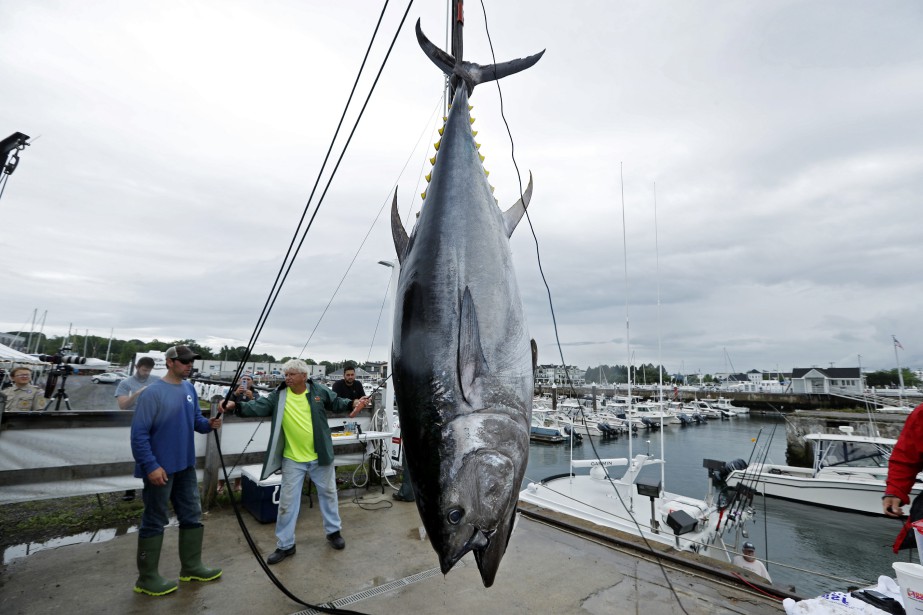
635,507
703,408
849,473
654,411
723,403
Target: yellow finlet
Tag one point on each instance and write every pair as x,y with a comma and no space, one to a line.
423,195
436,144
474,133
477,145
491,189
470,107
429,177
432,160
445,119
486,172
472,120
481,156
441,130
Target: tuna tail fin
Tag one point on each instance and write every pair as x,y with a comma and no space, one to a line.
398,232
472,74
513,215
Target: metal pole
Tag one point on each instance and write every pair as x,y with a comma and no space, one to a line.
212,461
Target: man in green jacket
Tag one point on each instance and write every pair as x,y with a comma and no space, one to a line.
300,444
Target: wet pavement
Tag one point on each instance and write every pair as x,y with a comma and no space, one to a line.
386,568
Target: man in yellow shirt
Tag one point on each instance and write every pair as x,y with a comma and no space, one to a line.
300,444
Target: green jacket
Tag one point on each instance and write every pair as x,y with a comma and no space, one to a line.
321,399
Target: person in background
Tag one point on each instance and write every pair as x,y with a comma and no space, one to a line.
300,444
748,561
245,391
127,392
905,463
348,386
166,418
23,396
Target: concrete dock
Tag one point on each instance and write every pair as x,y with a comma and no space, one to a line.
386,568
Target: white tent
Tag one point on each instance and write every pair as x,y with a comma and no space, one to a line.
8,355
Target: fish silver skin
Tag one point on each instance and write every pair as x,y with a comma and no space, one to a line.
462,362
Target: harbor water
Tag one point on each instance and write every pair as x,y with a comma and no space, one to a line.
811,548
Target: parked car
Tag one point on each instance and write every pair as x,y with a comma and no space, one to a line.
107,378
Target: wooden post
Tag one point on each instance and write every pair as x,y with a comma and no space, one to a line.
212,461
554,397
594,398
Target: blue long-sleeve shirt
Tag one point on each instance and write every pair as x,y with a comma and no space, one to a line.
162,429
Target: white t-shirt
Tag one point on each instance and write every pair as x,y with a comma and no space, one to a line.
756,566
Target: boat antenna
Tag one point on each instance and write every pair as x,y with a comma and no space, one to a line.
627,330
659,346
900,375
873,428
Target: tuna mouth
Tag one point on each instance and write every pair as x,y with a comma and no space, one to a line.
477,542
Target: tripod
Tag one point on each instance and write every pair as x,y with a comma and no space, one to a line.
60,394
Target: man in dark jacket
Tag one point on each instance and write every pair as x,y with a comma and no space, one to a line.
348,386
300,444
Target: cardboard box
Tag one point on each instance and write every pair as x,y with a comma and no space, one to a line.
260,497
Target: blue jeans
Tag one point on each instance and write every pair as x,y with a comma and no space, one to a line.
182,489
324,478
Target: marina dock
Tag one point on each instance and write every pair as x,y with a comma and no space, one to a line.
386,568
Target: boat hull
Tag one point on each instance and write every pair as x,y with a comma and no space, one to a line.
848,492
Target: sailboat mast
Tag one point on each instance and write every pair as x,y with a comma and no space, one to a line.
659,345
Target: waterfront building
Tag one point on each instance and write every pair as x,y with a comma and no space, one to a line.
831,380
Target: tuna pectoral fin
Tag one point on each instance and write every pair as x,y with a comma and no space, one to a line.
513,215
472,366
398,233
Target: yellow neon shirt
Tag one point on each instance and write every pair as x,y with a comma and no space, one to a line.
298,428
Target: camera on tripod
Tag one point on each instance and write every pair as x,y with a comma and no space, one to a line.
59,358
62,366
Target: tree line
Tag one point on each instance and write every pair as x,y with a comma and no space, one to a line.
121,352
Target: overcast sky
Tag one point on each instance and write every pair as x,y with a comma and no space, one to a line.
176,143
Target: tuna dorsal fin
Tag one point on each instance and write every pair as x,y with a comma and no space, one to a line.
472,365
472,73
398,233
534,347
513,215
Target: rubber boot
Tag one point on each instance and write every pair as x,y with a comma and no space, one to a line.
190,556
149,580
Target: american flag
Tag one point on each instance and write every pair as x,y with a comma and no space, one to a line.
897,343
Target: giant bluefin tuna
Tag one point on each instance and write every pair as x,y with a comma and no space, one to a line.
461,355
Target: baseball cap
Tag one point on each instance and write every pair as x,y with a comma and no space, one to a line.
748,546
181,352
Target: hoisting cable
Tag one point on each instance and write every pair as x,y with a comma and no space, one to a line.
277,285
290,255
369,232
554,319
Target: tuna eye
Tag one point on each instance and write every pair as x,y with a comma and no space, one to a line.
455,516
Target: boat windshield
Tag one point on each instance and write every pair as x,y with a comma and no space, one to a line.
855,454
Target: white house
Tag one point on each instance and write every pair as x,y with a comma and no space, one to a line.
831,380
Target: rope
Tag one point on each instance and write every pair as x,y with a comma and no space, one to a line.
287,262
367,234
280,280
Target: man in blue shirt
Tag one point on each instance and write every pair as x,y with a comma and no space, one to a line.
162,443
